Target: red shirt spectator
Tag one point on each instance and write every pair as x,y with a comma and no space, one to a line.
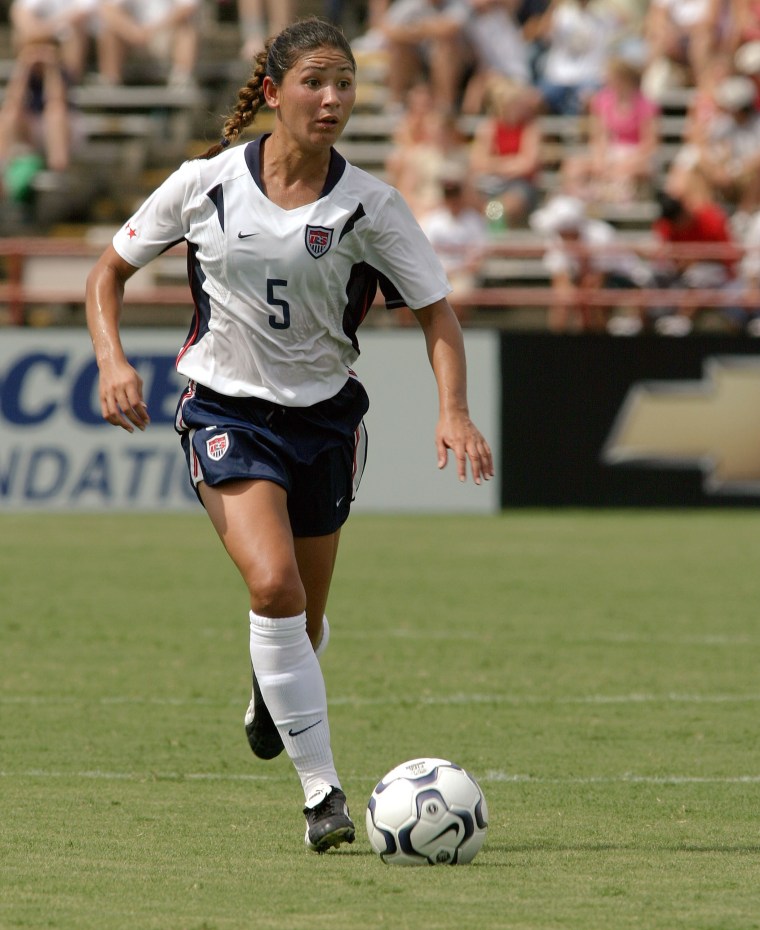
707,223
700,224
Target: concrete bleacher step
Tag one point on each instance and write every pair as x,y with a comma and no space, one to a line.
502,271
676,100
113,125
636,213
136,98
370,126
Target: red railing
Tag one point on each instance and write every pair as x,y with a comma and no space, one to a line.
18,295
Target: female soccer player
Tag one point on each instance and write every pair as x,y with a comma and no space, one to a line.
287,243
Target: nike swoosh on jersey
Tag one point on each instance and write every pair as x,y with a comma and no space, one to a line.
242,235
292,732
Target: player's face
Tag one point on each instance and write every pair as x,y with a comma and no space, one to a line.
315,97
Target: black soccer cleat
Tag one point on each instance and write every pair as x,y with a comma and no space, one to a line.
328,824
263,737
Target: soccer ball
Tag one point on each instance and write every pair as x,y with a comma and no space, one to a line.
427,812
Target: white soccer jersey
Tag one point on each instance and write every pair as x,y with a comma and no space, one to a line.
279,294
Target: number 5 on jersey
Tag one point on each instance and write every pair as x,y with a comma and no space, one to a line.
274,321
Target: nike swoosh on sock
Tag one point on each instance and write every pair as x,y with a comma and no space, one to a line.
292,732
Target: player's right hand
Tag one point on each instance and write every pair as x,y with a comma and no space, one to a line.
121,398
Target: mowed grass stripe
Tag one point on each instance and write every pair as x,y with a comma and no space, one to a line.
484,779
423,701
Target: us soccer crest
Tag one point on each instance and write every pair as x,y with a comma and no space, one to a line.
217,446
318,240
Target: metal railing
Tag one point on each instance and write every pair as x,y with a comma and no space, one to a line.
19,291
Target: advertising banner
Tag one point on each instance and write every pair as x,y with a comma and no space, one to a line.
651,421
57,453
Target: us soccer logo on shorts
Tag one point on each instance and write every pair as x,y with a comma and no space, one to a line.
217,446
318,240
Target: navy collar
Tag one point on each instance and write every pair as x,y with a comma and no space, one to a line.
253,160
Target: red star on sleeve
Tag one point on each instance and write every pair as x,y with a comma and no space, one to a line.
131,232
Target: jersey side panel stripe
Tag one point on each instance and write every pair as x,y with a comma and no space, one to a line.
200,321
360,292
352,221
216,196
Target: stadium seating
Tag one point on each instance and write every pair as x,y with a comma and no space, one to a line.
136,133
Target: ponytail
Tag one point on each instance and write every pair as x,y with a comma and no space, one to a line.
250,101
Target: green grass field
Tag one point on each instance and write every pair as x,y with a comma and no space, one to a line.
597,672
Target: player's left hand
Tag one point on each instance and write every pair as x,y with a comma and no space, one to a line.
459,434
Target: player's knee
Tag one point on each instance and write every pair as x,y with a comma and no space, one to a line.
277,593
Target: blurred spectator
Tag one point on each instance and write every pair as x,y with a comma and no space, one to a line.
700,224
631,18
579,34
62,22
166,30
426,38
369,14
623,137
626,16
747,62
744,24
505,152
584,254
702,111
457,232
498,49
729,157
260,19
748,318
35,123
681,34
425,138
529,16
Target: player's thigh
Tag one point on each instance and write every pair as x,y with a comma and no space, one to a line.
251,518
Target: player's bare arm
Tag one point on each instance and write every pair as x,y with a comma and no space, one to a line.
455,430
121,388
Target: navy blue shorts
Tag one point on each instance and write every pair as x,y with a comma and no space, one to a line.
316,453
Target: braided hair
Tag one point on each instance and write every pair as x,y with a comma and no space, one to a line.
277,57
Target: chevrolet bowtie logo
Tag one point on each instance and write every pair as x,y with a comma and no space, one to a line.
713,424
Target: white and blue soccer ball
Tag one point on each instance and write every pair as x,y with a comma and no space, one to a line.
427,812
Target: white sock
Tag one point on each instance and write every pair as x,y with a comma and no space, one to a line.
293,688
324,639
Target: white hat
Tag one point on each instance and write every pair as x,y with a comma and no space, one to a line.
747,58
735,93
560,214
